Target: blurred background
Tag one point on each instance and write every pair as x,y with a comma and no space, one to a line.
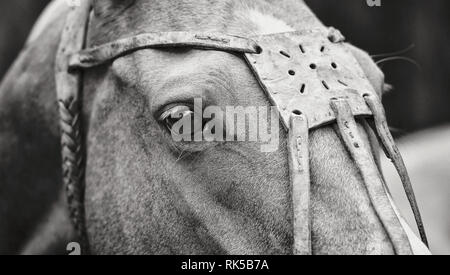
418,103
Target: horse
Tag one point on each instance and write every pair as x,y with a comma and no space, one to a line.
146,194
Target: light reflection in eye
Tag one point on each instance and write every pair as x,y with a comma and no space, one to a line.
178,113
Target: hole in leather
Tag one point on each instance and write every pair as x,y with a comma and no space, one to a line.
324,83
285,54
302,49
303,88
343,83
313,66
322,49
291,72
297,112
334,65
258,49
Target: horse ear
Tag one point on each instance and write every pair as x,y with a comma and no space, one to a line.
108,7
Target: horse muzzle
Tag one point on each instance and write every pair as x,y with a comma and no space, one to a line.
314,80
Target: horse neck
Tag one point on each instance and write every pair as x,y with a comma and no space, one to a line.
30,165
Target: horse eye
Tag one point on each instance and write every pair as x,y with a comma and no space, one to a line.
177,113
174,114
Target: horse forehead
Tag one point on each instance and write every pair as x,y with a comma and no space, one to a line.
237,17
157,65
267,23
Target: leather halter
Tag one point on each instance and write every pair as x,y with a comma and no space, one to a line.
310,76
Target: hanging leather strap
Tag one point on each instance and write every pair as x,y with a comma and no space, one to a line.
353,141
298,145
394,155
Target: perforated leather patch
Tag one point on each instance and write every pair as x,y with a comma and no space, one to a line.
303,71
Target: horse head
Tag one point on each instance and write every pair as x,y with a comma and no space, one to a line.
148,193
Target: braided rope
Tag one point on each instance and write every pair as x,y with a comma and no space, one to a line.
73,165
68,89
